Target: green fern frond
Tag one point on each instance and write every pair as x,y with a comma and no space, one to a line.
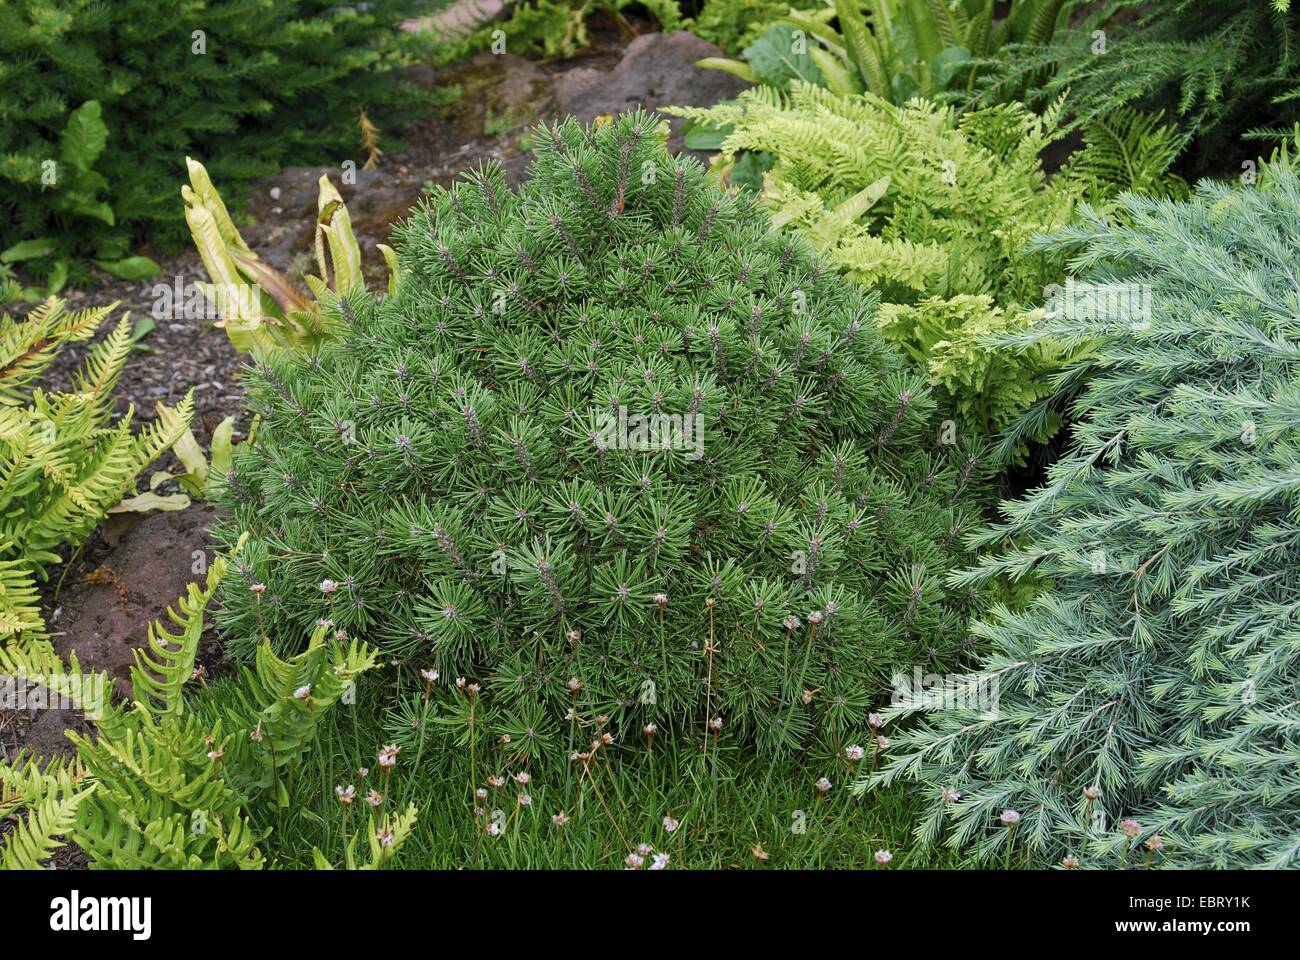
20,602
1128,150
27,348
166,664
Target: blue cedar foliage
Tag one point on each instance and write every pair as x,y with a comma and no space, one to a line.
1160,669
444,463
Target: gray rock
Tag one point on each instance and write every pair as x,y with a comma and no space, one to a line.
658,70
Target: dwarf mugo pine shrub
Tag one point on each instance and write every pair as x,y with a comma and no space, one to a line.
613,444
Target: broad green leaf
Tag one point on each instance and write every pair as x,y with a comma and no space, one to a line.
699,136
130,268
28,250
143,327
945,65
57,278
727,65
84,136
774,60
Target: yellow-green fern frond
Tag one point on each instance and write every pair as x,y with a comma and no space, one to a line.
167,662
37,836
20,602
28,347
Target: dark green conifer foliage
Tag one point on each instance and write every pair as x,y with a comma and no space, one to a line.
445,463
245,86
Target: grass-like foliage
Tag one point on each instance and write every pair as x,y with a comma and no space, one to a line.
613,445
493,794
1151,691
64,459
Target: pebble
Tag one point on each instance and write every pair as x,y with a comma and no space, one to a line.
275,193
